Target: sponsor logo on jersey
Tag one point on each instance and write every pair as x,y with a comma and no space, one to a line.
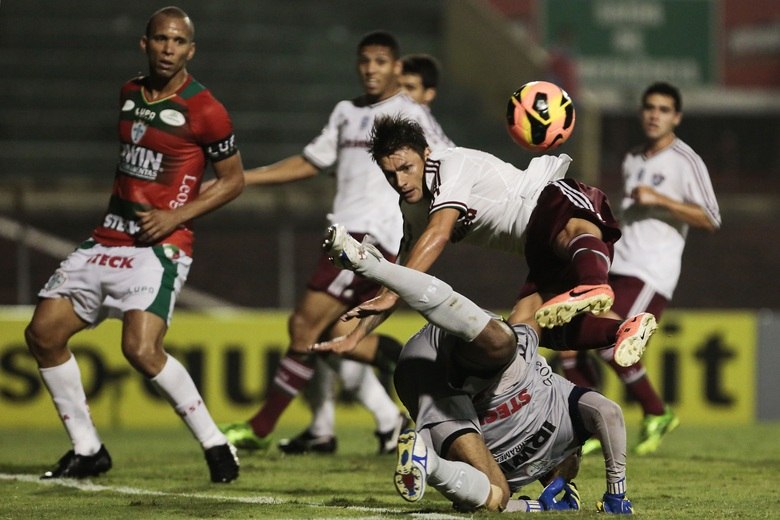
141,289
523,452
145,114
123,225
506,409
137,131
172,117
114,261
140,162
222,149
128,106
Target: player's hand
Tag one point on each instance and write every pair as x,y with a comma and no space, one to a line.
339,345
377,305
646,196
155,224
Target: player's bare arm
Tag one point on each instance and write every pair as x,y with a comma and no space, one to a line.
422,256
155,224
692,214
291,169
348,345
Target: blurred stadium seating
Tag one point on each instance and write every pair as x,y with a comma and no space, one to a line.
279,69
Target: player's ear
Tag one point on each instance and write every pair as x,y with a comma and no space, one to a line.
191,52
429,94
143,43
398,69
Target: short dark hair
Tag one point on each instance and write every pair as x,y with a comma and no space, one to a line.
381,38
665,89
392,133
423,65
173,12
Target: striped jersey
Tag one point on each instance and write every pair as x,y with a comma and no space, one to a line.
364,201
495,199
653,240
164,147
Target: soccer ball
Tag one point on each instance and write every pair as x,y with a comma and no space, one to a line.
540,116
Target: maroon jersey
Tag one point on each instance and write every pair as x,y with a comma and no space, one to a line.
164,146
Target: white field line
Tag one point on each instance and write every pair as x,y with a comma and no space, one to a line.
88,486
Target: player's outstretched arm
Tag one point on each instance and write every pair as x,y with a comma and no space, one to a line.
293,168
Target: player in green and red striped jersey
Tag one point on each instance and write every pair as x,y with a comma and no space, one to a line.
138,258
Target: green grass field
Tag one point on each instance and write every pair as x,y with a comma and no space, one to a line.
700,472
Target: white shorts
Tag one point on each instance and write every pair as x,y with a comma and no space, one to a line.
105,282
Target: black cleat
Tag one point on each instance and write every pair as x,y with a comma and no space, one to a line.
223,463
305,442
388,441
72,465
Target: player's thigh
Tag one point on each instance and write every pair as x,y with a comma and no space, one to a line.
314,314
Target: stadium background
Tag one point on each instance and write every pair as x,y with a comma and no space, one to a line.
280,69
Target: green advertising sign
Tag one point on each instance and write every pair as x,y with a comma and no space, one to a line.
635,42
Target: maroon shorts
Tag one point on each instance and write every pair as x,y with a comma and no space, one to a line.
633,296
349,288
559,202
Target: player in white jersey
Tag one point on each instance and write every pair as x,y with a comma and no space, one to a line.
490,414
564,228
667,190
419,79
368,207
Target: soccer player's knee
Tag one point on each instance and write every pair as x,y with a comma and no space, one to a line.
42,341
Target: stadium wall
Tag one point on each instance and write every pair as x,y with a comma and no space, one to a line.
712,366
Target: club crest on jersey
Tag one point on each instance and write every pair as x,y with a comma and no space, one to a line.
56,280
137,131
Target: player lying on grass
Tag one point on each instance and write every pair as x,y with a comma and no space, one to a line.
491,416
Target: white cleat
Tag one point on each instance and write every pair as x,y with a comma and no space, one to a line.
346,252
411,471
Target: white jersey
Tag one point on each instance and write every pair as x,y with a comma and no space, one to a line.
365,202
495,198
652,244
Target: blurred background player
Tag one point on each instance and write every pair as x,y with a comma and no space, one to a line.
420,80
138,258
368,206
491,416
667,189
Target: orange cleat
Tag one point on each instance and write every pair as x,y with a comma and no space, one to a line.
560,310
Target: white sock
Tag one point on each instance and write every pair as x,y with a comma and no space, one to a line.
432,298
322,400
176,386
67,392
361,379
461,483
